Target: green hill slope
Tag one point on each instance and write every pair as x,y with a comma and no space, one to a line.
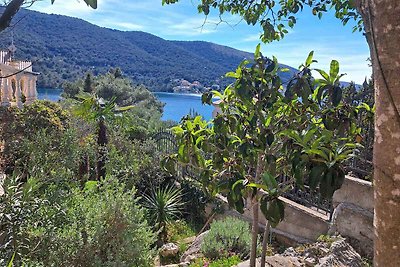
64,48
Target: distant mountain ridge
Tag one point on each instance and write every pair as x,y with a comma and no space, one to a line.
64,48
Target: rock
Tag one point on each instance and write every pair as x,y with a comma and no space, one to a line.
341,254
193,251
182,264
188,240
276,261
169,249
356,224
290,252
310,262
334,252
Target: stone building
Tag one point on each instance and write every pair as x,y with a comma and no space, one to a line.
17,80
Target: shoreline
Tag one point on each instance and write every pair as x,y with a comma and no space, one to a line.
169,93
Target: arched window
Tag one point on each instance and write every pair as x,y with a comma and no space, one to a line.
23,91
14,89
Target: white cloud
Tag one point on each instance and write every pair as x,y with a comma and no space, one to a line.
72,8
127,26
251,38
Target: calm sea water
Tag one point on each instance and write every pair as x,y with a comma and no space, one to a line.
176,105
49,94
179,105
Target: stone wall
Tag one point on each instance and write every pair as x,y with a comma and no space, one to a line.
352,218
354,214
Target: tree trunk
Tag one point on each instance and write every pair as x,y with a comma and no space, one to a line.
84,170
382,24
265,244
256,207
254,234
102,142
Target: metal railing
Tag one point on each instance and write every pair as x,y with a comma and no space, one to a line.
166,144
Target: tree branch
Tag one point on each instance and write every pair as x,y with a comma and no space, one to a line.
9,12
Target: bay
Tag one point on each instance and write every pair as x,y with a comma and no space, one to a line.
179,105
176,105
49,94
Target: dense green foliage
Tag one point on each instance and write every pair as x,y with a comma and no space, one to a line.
55,213
50,225
63,48
20,128
227,237
113,86
263,133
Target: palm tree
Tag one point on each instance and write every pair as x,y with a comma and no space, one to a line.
93,108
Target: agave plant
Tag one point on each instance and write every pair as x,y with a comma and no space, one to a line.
163,205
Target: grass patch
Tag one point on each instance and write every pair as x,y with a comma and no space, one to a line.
224,262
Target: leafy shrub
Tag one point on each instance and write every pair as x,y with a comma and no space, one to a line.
179,230
196,201
224,262
21,125
226,237
101,226
17,207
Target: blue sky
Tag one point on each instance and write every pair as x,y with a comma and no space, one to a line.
327,37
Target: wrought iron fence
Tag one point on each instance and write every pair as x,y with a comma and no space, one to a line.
166,144
306,197
165,141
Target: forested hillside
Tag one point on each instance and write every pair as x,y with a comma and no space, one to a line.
64,48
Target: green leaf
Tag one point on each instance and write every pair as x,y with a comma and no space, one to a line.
315,176
206,98
257,186
309,59
326,188
336,96
317,152
239,205
257,53
270,181
10,263
271,66
182,153
92,3
320,92
90,185
334,70
323,74
298,175
217,94
122,109
270,138
238,182
273,210
309,135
